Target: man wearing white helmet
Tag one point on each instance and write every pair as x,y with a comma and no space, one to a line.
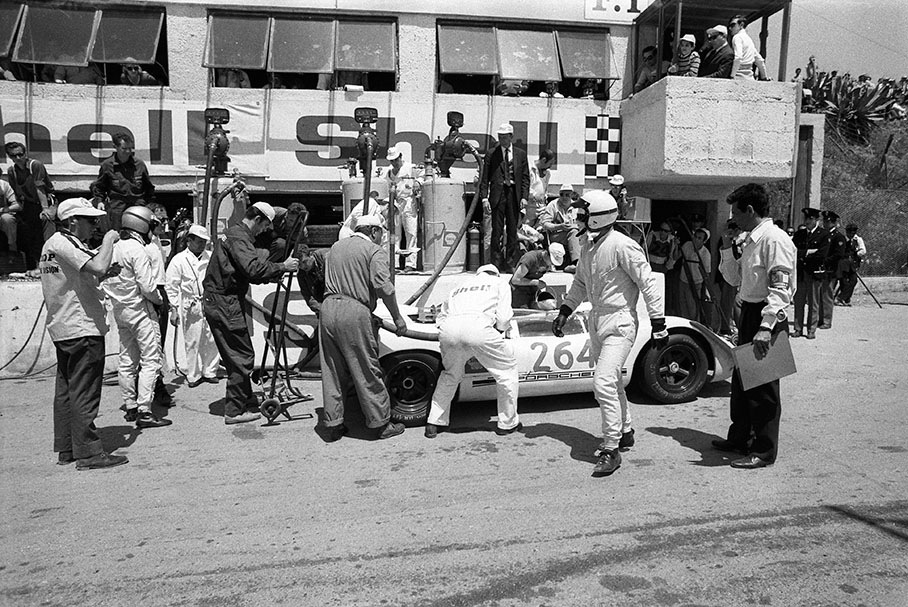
133,293
612,273
472,322
77,323
235,264
357,274
184,290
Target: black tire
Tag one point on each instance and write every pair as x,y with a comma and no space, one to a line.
675,373
411,378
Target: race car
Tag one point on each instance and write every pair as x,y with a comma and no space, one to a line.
550,365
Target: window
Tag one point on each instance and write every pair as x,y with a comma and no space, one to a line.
288,51
79,45
509,61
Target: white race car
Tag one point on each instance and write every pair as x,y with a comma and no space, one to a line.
551,365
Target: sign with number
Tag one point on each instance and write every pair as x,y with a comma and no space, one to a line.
614,11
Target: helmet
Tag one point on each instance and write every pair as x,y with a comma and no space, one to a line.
138,219
602,210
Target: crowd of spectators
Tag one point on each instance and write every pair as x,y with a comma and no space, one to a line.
128,73
888,95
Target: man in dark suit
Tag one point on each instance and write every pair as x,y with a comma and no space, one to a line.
504,189
719,57
835,254
812,242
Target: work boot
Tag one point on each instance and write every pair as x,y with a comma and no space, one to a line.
101,460
65,458
609,461
627,440
506,431
242,418
797,333
131,415
390,430
334,433
147,419
432,430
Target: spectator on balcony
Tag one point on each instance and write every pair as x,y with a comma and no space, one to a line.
810,78
232,78
797,77
551,90
132,74
688,61
746,55
68,74
6,69
33,191
649,71
719,56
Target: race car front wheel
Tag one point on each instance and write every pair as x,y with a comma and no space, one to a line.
675,373
410,379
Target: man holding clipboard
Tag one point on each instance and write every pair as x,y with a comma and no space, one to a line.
767,273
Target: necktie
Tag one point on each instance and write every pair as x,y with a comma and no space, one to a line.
507,168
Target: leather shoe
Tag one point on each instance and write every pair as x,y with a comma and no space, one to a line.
750,462
797,334
335,433
825,327
101,460
390,430
65,458
432,430
147,419
726,445
811,336
505,432
608,462
627,440
131,415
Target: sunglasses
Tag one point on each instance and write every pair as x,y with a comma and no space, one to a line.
132,69
16,155
712,36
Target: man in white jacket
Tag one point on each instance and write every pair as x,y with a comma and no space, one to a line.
184,290
133,293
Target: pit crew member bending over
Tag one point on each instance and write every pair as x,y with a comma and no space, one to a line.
767,273
527,279
471,323
612,273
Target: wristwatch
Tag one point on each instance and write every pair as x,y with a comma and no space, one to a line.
765,328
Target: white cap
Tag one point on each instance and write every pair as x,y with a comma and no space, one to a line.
506,129
266,209
556,252
77,207
616,180
368,220
689,38
703,230
393,153
566,188
721,29
199,232
488,269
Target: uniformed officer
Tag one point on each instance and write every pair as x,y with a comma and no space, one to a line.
234,265
77,323
812,243
133,293
612,274
767,272
472,322
356,275
835,255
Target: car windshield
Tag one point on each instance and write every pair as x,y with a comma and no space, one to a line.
540,325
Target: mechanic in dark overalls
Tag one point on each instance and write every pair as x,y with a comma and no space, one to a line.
234,265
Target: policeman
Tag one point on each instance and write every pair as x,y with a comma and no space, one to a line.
472,322
403,187
184,290
526,281
77,323
766,271
812,244
356,275
234,265
612,274
133,293
835,255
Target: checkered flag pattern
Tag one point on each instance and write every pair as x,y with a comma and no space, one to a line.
603,146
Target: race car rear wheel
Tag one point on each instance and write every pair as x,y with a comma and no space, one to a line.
675,373
410,378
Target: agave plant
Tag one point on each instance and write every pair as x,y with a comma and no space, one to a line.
851,108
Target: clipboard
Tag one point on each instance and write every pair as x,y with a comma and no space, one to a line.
778,362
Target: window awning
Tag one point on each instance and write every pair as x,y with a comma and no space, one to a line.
40,40
124,34
366,47
467,50
9,19
237,41
301,45
583,54
527,55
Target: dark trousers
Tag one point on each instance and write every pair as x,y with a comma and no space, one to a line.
826,300
77,396
227,318
505,216
808,294
847,284
755,413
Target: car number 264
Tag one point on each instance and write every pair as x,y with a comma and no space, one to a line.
562,355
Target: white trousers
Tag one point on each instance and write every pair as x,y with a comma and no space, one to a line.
611,338
141,356
202,358
406,222
460,338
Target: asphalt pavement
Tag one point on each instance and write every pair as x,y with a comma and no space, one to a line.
211,515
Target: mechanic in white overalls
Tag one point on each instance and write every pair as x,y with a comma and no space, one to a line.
184,290
472,322
612,273
133,293
403,188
